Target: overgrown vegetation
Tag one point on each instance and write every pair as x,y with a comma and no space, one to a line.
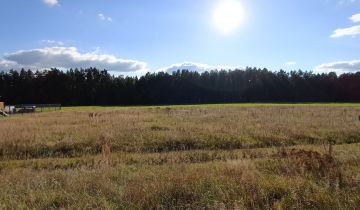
245,157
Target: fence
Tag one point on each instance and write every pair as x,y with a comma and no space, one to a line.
39,107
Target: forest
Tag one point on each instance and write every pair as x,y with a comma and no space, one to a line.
92,86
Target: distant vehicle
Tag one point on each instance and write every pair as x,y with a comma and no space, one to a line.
27,109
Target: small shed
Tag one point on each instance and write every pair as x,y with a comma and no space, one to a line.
10,109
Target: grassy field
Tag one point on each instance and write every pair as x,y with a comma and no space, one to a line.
92,108
237,156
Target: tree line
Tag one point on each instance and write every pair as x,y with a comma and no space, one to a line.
92,86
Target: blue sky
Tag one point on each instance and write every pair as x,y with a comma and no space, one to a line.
136,36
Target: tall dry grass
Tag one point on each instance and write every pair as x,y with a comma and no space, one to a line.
182,158
271,182
75,133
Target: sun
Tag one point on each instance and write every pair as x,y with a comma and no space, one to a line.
228,16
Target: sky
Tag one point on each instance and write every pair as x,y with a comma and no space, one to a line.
132,37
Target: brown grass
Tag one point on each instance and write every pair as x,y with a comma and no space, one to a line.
182,158
70,134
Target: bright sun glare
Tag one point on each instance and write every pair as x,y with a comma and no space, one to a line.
228,16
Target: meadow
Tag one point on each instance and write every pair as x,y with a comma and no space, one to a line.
236,156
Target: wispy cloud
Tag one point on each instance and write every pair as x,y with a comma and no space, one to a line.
104,18
290,63
340,66
355,18
348,31
52,42
341,2
192,66
51,3
68,57
351,31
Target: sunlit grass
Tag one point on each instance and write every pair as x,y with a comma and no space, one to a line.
74,108
235,156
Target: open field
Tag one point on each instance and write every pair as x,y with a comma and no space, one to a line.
91,108
249,156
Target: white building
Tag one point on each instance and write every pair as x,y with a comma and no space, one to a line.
10,109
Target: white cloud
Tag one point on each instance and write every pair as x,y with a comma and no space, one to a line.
191,66
6,65
290,63
69,57
51,3
351,31
355,18
104,18
341,2
340,66
52,42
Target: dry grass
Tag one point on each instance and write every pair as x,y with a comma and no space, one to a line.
263,157
74,133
